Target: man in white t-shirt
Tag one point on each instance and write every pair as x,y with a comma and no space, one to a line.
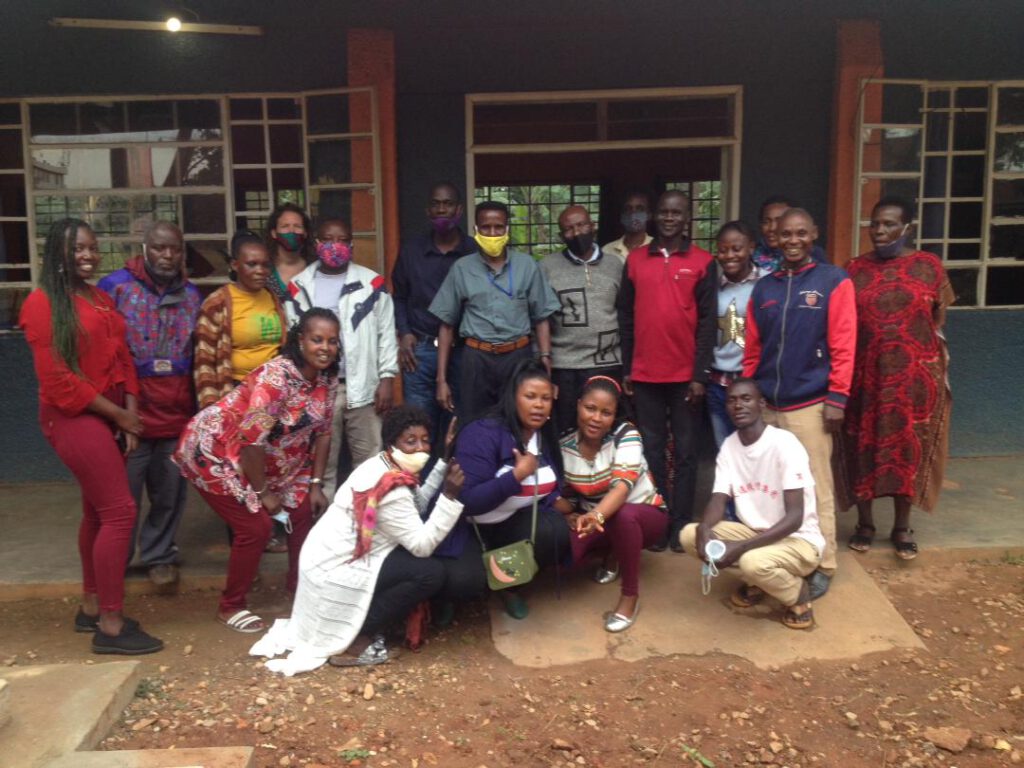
777,541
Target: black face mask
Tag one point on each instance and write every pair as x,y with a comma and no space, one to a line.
581,245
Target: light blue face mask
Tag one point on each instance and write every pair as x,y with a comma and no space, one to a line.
713,550
284,519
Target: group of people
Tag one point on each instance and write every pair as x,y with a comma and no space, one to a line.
558,401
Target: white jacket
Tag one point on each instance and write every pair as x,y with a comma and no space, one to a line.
367,317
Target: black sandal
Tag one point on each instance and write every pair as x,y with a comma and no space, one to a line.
860,541
905,550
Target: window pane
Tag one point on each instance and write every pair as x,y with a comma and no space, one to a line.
351,205
254,223
133,167
247,146
12,194
339,113
10,113
964,220
935,176
11,300
198,119
203,213
101,119
284,109
207,258
964,251
531,123
1006,242
200,166
53,122
11,156
1009,154
937,248
873,190
14,250
1004,286
1008,197
933,220
938,131
286,182
972,97
969,130
669,118
892,149
251,192
341,161
151,119
114,254
965,286
901,103
1011,106
246,109
286,144
938,97
968,176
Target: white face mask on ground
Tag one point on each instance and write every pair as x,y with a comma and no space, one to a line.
412,463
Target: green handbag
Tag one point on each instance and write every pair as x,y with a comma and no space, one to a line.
514,564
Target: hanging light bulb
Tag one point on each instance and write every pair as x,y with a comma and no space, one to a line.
174,24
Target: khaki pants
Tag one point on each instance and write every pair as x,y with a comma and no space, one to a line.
808,424
779,569
361,426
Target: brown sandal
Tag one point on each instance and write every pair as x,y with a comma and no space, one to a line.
747,596
863,536
799,619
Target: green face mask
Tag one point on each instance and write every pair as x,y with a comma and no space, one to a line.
291,241
492,246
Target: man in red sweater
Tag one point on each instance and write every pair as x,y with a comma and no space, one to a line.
667,321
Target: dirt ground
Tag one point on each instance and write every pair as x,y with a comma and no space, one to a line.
459,703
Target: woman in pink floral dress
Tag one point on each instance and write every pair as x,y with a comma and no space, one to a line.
260,451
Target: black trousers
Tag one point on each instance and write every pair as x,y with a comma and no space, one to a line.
570,382
403,583
551,545
660,407
482,376
464,576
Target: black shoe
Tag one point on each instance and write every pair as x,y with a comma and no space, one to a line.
818,583
659,546
131,641
676,545
86,623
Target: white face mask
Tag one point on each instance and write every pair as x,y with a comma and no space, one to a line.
410,462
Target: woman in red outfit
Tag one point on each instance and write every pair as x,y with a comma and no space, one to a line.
259,453
897,419
87,401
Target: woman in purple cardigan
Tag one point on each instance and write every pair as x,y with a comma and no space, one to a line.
505,455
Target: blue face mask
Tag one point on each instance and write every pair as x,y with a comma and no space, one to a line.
893,249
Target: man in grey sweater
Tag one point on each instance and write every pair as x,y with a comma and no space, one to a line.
585,331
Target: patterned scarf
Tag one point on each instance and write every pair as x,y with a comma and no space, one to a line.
365,505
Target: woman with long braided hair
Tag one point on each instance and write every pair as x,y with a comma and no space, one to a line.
87,410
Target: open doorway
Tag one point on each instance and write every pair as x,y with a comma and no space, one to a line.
543,151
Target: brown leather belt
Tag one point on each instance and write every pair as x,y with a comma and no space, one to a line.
498,349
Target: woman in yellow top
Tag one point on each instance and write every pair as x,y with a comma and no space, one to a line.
241,325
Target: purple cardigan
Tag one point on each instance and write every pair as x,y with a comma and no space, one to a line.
482,448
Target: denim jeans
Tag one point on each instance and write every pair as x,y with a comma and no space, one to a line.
419,388
721,424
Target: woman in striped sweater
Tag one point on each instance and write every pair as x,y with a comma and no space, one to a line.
608,495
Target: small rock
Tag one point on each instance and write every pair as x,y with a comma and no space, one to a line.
143,723
562,745
266,725
187,650
776,746
951,739
368,691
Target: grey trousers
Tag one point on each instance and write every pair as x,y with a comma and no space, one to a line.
150,466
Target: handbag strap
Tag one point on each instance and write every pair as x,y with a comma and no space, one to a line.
533,522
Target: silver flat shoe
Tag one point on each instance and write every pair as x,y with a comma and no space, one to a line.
616,622
375,653
606,575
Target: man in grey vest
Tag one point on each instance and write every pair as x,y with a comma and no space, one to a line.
585,331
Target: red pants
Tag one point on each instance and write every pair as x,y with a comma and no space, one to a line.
85,443
251,533
626,533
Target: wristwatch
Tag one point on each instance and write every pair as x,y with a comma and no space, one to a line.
599,517
316,481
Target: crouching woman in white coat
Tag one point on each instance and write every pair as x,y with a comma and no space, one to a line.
366,564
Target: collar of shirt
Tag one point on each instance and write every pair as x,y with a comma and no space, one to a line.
594,256
466,245
490,270
753,277
655,249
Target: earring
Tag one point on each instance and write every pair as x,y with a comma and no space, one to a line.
60,270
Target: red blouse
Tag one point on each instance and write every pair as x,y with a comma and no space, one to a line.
103,356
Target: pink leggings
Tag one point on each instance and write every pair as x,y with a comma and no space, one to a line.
251,532
626,533
85,443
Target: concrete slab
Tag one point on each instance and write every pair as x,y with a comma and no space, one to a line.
208,757
5,703
675,618
57,709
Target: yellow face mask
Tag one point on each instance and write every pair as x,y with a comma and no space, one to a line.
491,246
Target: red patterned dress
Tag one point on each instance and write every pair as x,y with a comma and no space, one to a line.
276,408
897,419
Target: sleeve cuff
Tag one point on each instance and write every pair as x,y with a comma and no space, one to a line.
836,399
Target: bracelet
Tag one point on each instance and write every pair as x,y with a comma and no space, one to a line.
260,492
545,354
316,481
